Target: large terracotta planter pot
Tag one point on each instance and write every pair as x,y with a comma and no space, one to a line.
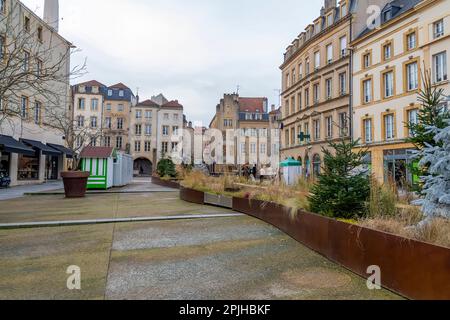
75,183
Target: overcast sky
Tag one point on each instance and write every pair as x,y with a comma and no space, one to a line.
190,50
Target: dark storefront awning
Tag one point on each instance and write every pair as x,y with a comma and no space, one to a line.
39,146
69,153
9,144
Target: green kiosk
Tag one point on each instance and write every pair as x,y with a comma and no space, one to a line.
99,161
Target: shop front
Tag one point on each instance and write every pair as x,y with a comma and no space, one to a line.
397,167
11,151
45,157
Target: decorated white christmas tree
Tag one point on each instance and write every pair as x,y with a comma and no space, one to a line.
437,184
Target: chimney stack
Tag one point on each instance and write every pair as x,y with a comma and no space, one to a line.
51,13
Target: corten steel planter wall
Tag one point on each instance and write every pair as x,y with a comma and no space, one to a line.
411,268
192,196
219,200
165,183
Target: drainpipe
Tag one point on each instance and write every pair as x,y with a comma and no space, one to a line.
351,81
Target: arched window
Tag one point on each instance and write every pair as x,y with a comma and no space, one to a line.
316,165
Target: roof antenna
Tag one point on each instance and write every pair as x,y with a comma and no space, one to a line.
238,87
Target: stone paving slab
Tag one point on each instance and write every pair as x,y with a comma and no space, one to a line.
221,258
46,224
93,207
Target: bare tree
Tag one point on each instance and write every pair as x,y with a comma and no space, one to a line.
34,62
76,134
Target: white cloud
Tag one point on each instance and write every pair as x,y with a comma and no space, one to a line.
193,51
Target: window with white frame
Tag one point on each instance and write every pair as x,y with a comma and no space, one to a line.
300,71
110,92
120,107
81,103
329,53
37,112
80,121
343,46
367,89
262,148
26,61
107,141
411,40
147,146
329,122
2,46
253,148
2,6
121,93
440,66
412,76
387,51
343,83
138,114
165,130
148,114
94,105
24,107
389,127
343,124
388,80
329,88
175,130
108,107
108,123
148,129
307,98
344,10
94,122
317,60
413,119
367,60
138,129
166,116
119,142
120,123
316,128
164,147
316,89
137,146
368,130
93,142
438,28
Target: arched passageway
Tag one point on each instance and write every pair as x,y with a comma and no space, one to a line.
143,167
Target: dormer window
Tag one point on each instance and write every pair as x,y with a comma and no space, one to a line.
121,93
40,34
2,6
387,15
344,10
330,20
26,23
110,93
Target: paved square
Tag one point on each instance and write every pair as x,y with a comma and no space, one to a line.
217,258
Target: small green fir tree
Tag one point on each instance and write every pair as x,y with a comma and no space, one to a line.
344,187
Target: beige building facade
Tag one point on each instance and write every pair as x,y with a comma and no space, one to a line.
26,114
389,61
316,83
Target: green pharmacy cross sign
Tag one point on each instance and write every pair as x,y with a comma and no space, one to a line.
304,137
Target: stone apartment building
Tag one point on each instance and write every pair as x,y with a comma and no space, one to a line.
88,102
316,83
119,100
249,123
413,36
144,126
170,129
31,149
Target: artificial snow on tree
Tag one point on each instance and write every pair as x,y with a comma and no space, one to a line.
437,183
